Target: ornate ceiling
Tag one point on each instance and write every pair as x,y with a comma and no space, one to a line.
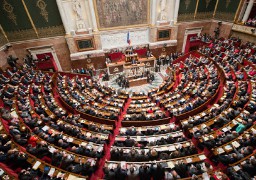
32,19
26,19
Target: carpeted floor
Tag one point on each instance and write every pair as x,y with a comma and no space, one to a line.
100,173
159,78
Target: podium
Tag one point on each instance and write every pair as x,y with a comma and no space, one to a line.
129,57
131,69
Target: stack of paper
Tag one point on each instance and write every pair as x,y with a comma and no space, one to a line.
170,164
220,150
228,147
236,168
60,175
36,165
189,160
235,144
45,128
202,157
51,172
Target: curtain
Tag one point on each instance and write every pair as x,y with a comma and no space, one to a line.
46,64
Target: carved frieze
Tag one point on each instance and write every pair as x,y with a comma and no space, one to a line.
21,35
109,40
51,31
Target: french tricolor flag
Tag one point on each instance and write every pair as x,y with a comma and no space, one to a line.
128,38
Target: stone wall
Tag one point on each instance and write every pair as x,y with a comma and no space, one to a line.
244,37
206,25
3,56
58,43
225,28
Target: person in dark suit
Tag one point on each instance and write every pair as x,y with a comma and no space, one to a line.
133,173
56,158
144,172
157,171
120,173
12,61
134,61
250,167
129,142
109,173
180,168
142,156
27,174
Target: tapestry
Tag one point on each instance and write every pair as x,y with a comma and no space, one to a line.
116,13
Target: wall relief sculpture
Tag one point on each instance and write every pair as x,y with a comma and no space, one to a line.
77,8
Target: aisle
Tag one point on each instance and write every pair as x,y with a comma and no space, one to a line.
100,171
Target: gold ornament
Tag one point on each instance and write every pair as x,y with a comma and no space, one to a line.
187,3
42,6
9,9
207,3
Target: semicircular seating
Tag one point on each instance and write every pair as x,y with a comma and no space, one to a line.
201,118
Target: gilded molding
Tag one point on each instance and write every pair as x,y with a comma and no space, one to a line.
196,9
243,29
51,31
9,9
21,35
42,6
4,34
185,17
203,15
238,10
215,8
3,41
225,16
30,19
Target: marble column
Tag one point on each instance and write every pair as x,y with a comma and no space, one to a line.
172,12
63,16
242,12
153,12
93,15
176,11
248,11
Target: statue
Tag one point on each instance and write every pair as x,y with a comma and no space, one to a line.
80,22
163,13
163,3
77,8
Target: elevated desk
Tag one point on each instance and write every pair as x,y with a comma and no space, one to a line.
118,67
137,82
115,68
149,62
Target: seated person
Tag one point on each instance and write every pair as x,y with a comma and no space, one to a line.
134,61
